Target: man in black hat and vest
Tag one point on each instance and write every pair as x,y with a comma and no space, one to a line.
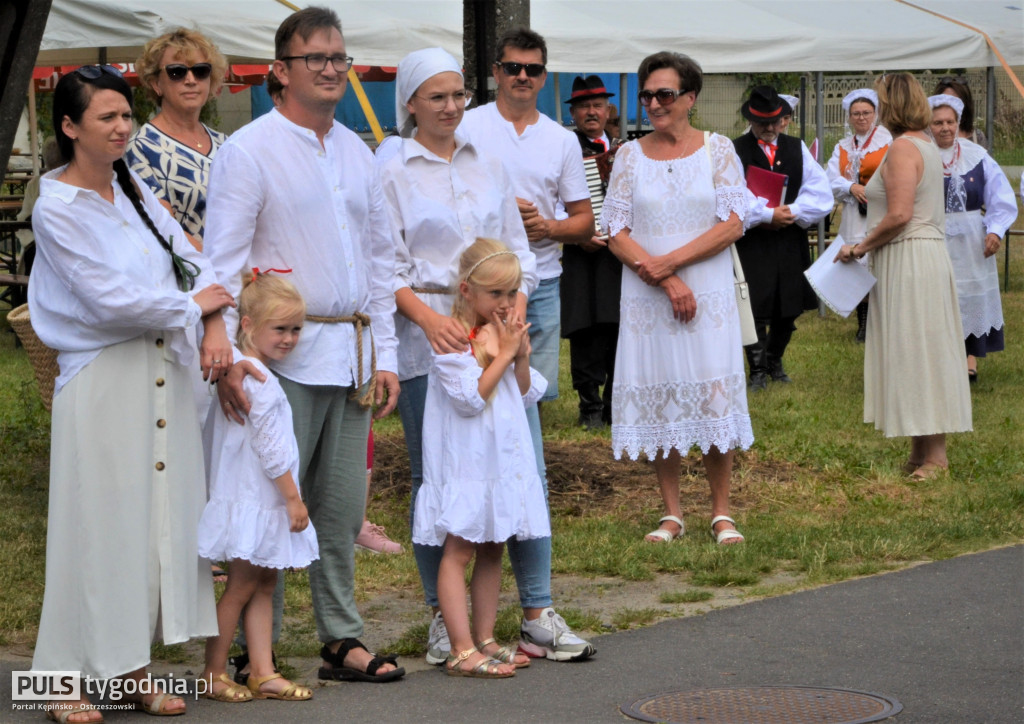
591,275
774,251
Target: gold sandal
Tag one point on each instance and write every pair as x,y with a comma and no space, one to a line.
484,670
504,654
292,692
233,694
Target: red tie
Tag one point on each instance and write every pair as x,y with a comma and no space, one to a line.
769,151
600,141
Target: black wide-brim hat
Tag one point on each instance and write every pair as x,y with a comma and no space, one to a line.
765,105
590,87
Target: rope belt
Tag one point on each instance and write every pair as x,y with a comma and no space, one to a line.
360,321
433,290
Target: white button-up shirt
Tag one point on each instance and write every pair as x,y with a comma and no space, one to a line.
278,199
813,201
544,163
438,209
101,277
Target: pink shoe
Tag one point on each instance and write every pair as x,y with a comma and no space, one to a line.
372,538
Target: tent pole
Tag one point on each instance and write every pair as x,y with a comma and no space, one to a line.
990,106
558,99
819,130
33,132
623,106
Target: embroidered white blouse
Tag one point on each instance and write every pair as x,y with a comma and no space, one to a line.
101,277
278,199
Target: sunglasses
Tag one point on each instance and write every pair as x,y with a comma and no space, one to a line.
178,71
92,72
665,96
533,70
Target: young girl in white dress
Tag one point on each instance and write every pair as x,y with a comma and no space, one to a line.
255,517
480,482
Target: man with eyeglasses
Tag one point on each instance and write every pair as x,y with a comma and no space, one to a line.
591,274
295,190
774,250
544,163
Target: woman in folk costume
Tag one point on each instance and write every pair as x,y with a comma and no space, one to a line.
853,163
973,181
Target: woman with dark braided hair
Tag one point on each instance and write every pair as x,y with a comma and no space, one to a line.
114,288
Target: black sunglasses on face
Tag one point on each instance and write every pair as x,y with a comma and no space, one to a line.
533,70
665,96
92,72
178,71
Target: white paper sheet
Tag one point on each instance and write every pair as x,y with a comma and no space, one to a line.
840,286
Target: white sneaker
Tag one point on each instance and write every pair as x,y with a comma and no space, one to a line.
550,636
438,645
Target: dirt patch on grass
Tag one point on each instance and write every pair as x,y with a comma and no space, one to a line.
585,479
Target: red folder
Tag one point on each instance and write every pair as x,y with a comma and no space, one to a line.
767,185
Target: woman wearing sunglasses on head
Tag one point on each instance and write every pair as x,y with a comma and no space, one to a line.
115,286
173,152
676,202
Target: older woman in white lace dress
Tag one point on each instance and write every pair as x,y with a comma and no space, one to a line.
676,202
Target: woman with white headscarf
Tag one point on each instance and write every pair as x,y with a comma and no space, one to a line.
442,193
973,181
854,161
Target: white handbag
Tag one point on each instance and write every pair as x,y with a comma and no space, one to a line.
748,331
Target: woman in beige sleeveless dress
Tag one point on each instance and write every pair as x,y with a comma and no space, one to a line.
913,384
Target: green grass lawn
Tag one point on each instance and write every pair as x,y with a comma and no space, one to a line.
836,506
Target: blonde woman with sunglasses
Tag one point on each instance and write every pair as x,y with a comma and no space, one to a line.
180,71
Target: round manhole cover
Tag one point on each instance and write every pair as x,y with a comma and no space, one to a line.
764,705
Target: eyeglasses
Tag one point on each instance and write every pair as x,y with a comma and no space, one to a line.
92,72
862,114
665,96
178,71
318,61
439,101
533,70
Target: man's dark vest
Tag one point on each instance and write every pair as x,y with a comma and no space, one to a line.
774,259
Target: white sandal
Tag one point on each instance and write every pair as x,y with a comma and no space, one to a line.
728,533
664,536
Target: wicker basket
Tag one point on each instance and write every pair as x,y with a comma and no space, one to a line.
43,359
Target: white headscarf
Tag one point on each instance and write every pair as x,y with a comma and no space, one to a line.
947,100
793,101
956,192
414,70
856,154
865,94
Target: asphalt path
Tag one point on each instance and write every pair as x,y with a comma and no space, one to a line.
945,639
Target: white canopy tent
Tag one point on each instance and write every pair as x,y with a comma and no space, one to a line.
729,36
377,32
583,35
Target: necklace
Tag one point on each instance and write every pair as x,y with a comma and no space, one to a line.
947,167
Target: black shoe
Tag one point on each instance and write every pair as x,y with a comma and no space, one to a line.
593,420
242,661
776,371
862,321
758,381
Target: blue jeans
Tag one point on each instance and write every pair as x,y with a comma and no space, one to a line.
531,559
544,313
